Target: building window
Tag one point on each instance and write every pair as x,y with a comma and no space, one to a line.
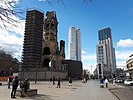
46,38
46,33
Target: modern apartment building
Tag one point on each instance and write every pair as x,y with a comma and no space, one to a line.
74,44
106,61
129,67
32,48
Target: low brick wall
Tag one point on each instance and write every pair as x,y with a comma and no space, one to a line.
5,78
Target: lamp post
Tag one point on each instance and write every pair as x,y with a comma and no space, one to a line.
10,71
91,69
36,74
110,72
37,65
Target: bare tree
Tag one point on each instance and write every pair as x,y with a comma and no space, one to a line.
9,11
7,62
62,1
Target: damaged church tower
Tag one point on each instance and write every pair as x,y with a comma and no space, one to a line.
42,55
50,49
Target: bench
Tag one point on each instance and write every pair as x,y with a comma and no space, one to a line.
30,92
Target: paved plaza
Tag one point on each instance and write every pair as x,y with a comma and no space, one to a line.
78,91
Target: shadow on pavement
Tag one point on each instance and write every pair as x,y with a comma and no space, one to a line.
40,97
122,93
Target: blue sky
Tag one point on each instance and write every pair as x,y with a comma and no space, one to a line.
89,18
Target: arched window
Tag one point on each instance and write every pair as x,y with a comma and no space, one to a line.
46,51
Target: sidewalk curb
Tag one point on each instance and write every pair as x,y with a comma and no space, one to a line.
114,93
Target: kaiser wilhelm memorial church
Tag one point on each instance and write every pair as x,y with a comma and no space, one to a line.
43,57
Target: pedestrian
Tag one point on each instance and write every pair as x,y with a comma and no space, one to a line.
84,80
9,82
26,84
106,82
114,82
50,79
58,84
70,82
22,89
53,80
14,86
101,83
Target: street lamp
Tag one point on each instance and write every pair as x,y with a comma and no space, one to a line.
37,65
10,71
110,72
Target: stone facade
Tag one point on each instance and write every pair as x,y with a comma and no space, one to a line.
42,55
51,52
41,74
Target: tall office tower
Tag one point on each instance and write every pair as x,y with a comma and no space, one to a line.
74,44
105,53
32,47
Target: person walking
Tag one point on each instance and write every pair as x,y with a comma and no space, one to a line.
58,84
101,83
26,84
70,82
114,81
50,79
22,89
9,82
14,86
106,82
53,80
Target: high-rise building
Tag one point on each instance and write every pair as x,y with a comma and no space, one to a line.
43,55
32,49
74,44
106,60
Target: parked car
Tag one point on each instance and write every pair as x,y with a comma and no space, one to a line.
128,82
119,80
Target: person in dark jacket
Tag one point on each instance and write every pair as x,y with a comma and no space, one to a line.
58,84
53,80
26,84
22,89
14,86
102,83
9,82
70,82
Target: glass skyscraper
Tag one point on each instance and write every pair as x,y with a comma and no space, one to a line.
105,51
74,44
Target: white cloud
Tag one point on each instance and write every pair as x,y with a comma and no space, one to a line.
125,43
122,54
121,64
11,43
83,52
11,39
122,57
89,57
88,60
4,20
89,67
